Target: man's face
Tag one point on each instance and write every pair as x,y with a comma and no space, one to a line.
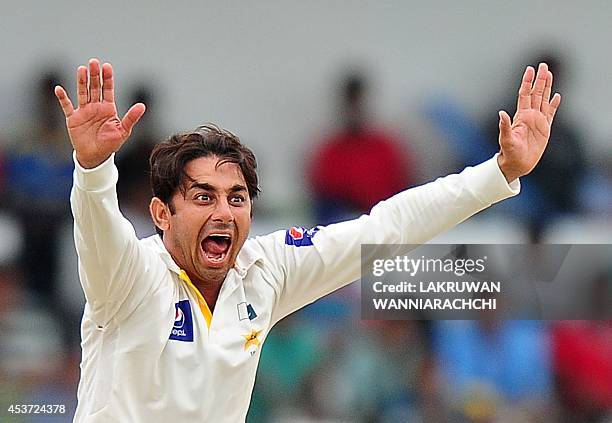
211,221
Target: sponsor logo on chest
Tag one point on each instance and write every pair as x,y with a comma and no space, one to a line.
183,322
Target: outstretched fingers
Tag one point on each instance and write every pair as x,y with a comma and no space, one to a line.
538,88
82,86
94,80
64,101
108,85
505,126
524,98
546,96
132,116
552,109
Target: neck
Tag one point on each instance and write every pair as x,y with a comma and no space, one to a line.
209,288
210,295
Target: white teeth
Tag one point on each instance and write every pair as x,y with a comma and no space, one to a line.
215,258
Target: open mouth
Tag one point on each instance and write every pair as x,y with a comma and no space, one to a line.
216,248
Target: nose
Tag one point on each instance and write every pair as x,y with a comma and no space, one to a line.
223,212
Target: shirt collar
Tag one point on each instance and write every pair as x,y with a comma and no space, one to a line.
247,257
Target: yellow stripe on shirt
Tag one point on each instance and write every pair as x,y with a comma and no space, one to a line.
201,301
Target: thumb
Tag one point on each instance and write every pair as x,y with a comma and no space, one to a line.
505,126
132,116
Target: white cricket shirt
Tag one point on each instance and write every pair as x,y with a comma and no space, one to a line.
152,351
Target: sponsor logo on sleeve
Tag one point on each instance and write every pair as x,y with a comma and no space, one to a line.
300,236
183,322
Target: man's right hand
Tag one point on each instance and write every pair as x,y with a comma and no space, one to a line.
94,128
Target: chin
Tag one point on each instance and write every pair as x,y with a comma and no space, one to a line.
215,275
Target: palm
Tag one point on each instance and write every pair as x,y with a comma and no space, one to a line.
95,129
524,140
530,132
98,122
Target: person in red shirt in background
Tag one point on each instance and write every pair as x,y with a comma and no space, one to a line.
360,164
583,359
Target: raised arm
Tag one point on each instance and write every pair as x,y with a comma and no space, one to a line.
111,261
313,263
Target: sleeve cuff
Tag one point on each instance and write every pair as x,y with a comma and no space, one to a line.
489,183
98,178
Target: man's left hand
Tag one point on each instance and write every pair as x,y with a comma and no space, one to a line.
523,139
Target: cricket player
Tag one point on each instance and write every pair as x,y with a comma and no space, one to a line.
174,324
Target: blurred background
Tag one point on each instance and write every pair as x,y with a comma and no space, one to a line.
344,104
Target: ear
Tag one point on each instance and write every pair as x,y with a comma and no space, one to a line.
160,213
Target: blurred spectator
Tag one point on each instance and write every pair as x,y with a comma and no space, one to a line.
596,194
133,165
292,351
467,142
358,165
584,369
583,360
59,388
553,188
39,178
489,368
30,337
351,372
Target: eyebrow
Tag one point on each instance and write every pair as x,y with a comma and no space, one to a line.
208,187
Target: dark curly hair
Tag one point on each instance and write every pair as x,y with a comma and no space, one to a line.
168,160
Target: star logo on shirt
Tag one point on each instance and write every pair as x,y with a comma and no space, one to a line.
252,339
